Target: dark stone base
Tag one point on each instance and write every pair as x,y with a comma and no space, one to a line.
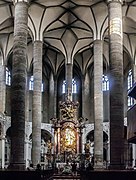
116,167
17,166
25,175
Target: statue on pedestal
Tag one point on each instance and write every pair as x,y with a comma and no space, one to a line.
87,150
49,147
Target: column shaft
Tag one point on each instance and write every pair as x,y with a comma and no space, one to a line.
51,96
98,104
134,155
134,72
27,153
69,76
36,104
116,86
58,140
134,76
2,152
18,87
78,143
2,88
55,97
27,100
83,97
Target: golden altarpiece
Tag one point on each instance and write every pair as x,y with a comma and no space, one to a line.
67,131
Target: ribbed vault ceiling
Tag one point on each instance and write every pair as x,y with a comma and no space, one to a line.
68,29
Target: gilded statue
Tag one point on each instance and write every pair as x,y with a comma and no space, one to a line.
68,139
68,112
49,147
87,147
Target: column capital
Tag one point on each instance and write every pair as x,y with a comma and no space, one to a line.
37,41
17,1
97,41
119,1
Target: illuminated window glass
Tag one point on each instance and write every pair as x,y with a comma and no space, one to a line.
64,87
130,79
129,86
130,101
42,88
105,83
74,86
8,77
31,84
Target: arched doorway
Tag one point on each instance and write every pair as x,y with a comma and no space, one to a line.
46,138
90,139
7,147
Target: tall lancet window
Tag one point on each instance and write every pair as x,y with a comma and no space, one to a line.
64,87
31,84
74,86
8,77
129,86
105,83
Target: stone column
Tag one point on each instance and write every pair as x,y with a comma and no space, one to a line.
134,72
55,141
98,104
2,88
55,97
80,140
116,85
27,118
58,140
108,154
2,109
83,96
51,96
134,77
27,152
2,142
18,86
3,152
83,140
69,76
36,104
78,134
134,154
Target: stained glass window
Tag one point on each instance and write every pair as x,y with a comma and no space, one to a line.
129,86
31,84
8,77
74,86
105,83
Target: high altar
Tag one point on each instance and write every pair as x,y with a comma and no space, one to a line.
67,132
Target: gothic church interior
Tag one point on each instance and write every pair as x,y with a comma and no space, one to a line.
66,67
